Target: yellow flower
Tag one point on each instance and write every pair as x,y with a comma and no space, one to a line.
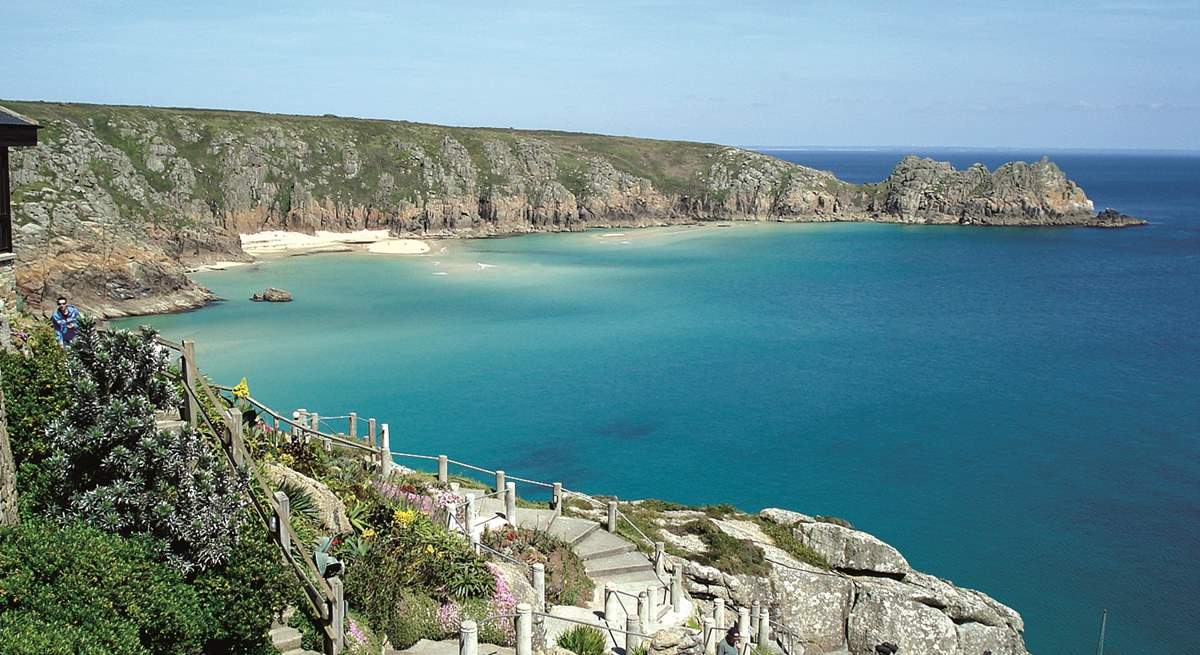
242,389
369,533
404,516
429,549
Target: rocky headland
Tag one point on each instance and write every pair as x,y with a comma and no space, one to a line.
117,203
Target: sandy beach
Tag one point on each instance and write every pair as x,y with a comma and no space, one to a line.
280,242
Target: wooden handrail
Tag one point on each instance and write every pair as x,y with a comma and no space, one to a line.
319,593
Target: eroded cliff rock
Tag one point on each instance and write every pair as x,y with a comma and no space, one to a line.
117,201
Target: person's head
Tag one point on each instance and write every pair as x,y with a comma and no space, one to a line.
62,304
732,635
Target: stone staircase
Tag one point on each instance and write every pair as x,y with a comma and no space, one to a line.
607,558
286,640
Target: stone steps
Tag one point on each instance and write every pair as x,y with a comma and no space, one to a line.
599,544
285,639
611,565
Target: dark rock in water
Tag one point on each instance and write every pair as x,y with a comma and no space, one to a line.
1113,218
271,294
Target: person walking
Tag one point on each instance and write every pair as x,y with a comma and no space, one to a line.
66,321
728,645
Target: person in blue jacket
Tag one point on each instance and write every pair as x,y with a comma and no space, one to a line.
66,321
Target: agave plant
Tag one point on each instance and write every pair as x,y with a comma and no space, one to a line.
359,513
300,501
583,640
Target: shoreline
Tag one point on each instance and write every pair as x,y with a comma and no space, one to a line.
283,242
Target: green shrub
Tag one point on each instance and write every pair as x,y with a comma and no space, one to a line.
115,468
36,390
583,640
785,539
567,582
719,511
77,589
727,553
410,569
243,595
406,617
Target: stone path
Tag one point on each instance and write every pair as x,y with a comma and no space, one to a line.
608,559
287,641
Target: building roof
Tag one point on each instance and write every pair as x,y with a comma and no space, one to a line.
10,117
17,130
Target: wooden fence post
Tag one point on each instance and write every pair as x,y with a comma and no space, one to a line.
190,375
612,516
500,482
385,452
337,613
556,495
353,425
237,444
443,469
764,627
283,526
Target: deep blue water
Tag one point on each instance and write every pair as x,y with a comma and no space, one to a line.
1017,410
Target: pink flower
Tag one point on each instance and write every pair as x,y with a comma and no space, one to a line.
449,617
356,633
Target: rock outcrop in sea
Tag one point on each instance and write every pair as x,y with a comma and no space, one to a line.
117,202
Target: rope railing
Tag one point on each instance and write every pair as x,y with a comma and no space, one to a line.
472,467
339,440
598,626
503,556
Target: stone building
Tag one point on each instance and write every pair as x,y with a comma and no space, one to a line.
15,131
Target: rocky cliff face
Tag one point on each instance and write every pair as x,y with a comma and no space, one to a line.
117,201
868,596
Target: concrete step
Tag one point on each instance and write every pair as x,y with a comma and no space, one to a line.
631,581
285,638
301,651
600,544
170,425
628,562
572,530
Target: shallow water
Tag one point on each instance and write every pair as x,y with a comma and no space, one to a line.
1014,409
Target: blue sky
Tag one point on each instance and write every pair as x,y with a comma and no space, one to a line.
748,72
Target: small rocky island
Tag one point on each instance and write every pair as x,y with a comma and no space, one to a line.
271,294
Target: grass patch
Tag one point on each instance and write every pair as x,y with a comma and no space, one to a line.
727,553
786,540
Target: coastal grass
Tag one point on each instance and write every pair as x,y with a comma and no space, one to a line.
786,540
725,552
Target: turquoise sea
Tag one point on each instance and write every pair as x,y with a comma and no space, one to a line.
1017,410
